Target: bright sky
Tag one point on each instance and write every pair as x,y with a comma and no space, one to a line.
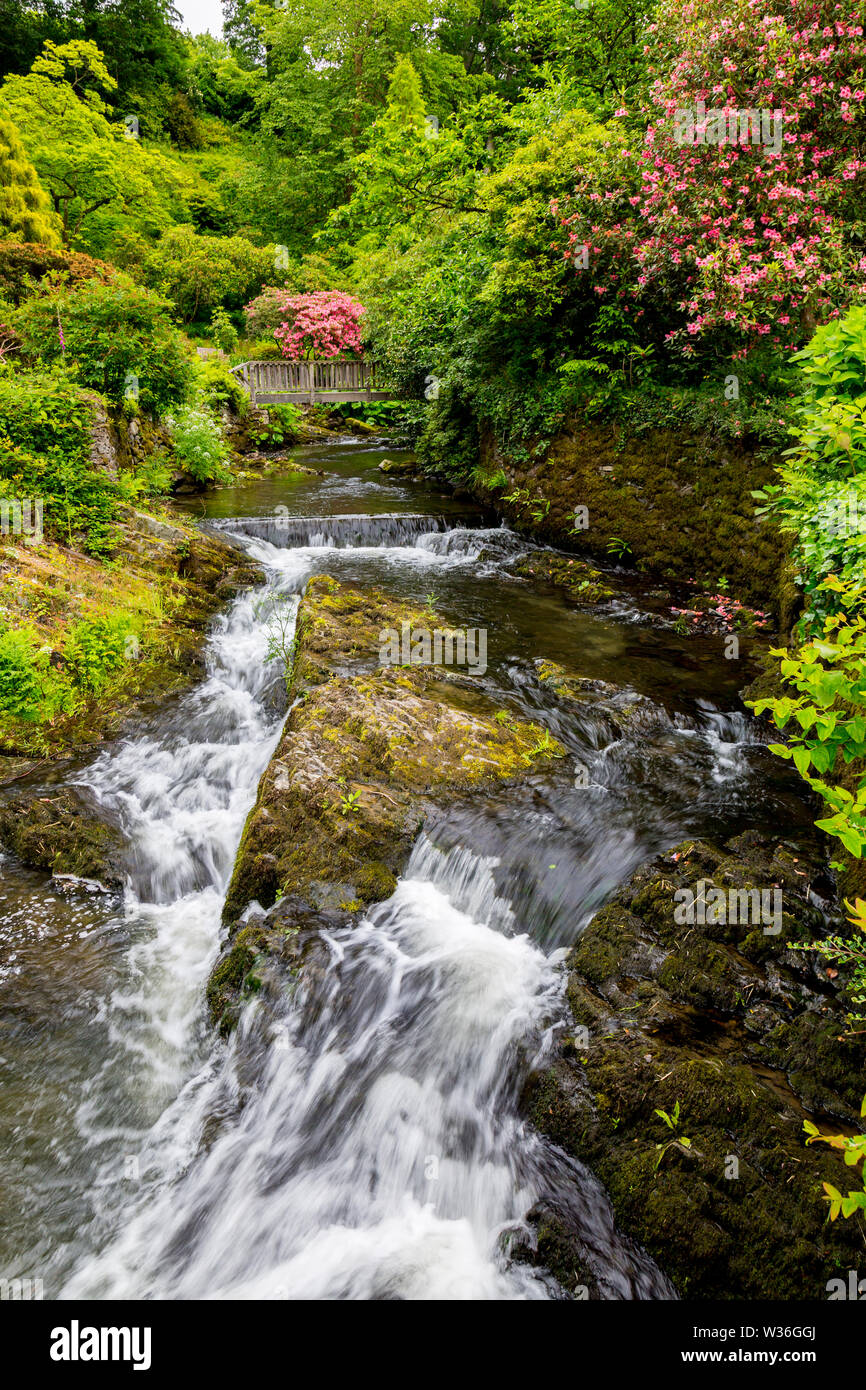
201,15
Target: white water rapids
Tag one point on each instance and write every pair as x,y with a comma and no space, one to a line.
361,1135
377,1151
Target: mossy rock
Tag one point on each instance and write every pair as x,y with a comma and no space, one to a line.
580,583
366,751
745,1040
61,833
679,503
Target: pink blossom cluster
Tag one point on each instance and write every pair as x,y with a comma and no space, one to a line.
738,235
320,325
725,616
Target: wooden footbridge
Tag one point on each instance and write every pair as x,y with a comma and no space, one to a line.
310,383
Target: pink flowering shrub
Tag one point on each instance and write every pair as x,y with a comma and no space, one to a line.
747,241
320,325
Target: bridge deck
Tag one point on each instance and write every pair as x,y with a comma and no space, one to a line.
308,383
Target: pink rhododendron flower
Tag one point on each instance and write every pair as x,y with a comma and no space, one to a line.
324,324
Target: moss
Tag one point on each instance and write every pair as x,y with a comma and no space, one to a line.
233,977
375,881
744,1041
577,580
62,835
167,575
681,504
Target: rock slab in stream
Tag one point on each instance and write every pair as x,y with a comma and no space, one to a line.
365,752
61,833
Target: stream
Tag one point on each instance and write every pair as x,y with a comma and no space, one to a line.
363,1138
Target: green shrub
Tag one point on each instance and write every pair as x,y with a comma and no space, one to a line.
282,427
197,273
115,338
198,445
45,426
151,479
28,687
99,648
829,709
821,497
223,331
853,1147
219,388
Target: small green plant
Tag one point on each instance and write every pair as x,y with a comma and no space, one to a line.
223,331
282,638
618,547
829,674
282,428
546,745
98,649
854,1149
849,952
677,1140
27,681
349,803
219,389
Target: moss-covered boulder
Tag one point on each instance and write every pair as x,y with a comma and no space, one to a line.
736,1038
578,581
58,831
366,750
671,502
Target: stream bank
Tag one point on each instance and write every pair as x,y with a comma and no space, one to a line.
165,574
675,505
738,1036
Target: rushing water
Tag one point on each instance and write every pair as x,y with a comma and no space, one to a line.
360,1136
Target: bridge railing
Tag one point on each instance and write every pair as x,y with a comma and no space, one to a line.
306,382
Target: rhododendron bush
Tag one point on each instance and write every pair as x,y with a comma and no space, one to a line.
319,325
737,243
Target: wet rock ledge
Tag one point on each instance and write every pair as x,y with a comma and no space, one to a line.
365,752
741,1032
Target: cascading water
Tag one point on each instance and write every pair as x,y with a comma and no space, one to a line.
360,1136
181,794
348,531
381,1154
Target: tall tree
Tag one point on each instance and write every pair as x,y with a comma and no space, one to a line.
25,25
25,212
90,168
